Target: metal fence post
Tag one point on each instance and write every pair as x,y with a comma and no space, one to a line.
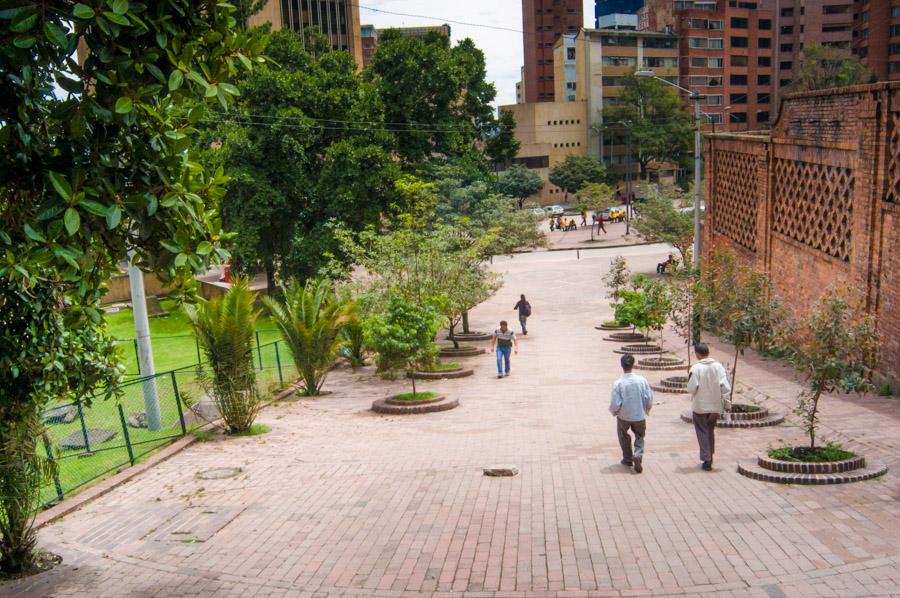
84,432
178,404
52,459
278,363
258,350
125,431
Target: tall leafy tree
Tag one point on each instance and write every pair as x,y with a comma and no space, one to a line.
300,159
502,146
86,180
575,172
436,98
661,222
519,182
660,126
822,67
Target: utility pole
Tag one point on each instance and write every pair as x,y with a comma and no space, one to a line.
144,348
698,166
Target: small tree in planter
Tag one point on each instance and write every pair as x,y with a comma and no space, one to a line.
404,334
224,329
658,305
835,348
632,310
616,278
311,320
683,294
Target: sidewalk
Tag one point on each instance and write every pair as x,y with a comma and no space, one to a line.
337,501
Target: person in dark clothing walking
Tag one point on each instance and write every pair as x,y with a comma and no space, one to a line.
524,313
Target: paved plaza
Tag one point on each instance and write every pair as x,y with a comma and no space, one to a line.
338,501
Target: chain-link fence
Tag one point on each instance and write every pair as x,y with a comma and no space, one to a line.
90,439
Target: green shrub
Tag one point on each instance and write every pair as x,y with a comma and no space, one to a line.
805,454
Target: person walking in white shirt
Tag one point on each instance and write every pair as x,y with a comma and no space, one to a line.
709,389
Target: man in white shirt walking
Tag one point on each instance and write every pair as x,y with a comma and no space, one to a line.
709,389
631,402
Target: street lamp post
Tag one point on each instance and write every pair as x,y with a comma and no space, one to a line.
698,154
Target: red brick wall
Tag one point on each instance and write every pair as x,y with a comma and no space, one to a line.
816,201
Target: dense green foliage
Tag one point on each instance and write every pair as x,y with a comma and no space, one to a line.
519,182
660,126
661,222
88,178
823,67
573,173
224,328
502,146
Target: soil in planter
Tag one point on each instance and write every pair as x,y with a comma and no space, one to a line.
805,454
742,408
419,396
442,367
43,561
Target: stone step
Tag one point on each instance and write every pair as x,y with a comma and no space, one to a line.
751,469
773,419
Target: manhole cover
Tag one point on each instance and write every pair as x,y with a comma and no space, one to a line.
219,473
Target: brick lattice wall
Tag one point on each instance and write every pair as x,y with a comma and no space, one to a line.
816,201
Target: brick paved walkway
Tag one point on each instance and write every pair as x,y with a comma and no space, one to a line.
338,501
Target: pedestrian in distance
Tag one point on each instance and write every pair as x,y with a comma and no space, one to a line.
584,218
709,389
503,343
524,313
600,224
631,401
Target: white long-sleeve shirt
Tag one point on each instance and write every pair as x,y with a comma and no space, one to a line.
708,386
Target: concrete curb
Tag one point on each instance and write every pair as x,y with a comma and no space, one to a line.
84,497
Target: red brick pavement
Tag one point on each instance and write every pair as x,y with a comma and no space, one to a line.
338,501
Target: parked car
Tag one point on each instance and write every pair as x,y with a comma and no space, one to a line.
555,210
537,211
613,215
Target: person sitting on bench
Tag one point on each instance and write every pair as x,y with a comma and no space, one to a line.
571,225
671,261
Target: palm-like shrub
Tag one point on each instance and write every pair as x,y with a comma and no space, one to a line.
224,328
311,320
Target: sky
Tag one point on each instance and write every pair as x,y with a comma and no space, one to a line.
502,48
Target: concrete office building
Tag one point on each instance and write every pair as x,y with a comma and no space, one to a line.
543,22
337,19
876,36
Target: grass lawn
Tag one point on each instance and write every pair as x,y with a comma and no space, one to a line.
419,396
443,367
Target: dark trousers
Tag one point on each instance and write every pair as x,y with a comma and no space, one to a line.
639,429
705,426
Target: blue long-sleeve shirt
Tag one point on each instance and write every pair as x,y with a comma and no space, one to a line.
631,399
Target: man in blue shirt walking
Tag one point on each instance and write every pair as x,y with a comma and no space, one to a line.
631,402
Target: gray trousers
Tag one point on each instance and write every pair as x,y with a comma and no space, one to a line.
523,320
639,429
705,426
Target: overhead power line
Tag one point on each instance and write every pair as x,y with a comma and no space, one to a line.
433,18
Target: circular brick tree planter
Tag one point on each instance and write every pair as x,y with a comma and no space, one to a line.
441,375
646,349
661,363
470,337
627,337
777,471
461,352
613,328
391,406
760,418
672,384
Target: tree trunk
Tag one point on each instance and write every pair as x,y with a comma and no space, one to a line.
453,335
465,322
811,421
734,373
270,278
413,378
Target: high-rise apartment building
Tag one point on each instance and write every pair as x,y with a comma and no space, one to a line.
604,8
876,36
337,19
371,36
726,50
804,23
543,22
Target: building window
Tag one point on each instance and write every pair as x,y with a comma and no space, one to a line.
835,28
762,117
786,65
659,62
716,43
715,100
763,80
715,118
697,23
787,12
738,79
896,11
894,67
838,9
619,61
657,43
894,49
716,63
784,82
738,117
787,30
763,98
739,42
570,53
765,24
738,60
895,30
737,98
715,25
739,23
787,47
764,42
764,61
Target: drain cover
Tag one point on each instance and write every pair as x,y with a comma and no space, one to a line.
219,473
